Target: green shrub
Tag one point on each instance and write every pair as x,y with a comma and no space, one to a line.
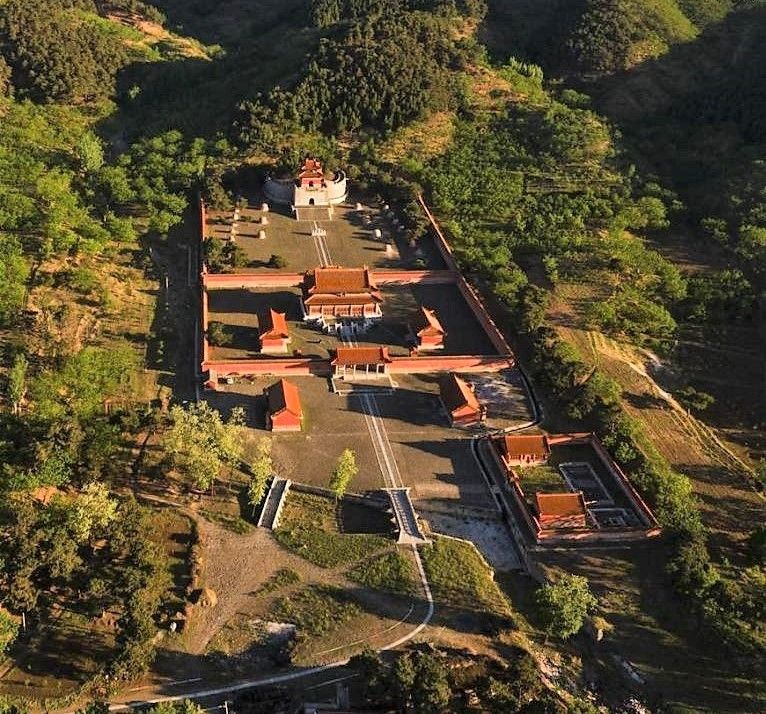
284,577
83,280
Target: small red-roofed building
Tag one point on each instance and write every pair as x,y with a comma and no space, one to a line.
561,510
460,402
284,411
428,330
523,449
335,292
274,334
350,362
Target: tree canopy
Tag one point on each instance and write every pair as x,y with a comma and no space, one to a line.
564,605
201,443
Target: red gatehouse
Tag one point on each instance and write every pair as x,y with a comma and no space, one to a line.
350,362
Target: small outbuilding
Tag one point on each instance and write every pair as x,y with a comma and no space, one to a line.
561,510
523,449
274,334
428,330
460,401
284,412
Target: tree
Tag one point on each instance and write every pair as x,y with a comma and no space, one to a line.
374,676
518,685
277,261
90,152
94,707
184,707
421,683
9,628
691,399
564,605
17,381
261,469
92,508
344,473
78,389
756,546
760,472
200,443
6,88
14,272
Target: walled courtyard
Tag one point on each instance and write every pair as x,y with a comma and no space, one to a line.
241,309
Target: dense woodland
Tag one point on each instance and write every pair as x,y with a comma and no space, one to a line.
103,144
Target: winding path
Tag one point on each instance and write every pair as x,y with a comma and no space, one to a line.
288,676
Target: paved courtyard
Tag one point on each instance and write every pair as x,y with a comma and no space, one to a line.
431,458
350,239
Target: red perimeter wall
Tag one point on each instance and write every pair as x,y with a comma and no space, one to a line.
237,281
403,277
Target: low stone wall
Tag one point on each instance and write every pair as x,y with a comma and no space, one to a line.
379,500
605,535
204,326
202,221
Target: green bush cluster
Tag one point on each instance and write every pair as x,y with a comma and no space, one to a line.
538,186
431,681
48,556
611,35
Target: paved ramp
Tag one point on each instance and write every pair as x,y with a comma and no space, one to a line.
406,518
275,500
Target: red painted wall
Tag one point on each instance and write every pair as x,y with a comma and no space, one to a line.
236,281
448,363
281,367
404,277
